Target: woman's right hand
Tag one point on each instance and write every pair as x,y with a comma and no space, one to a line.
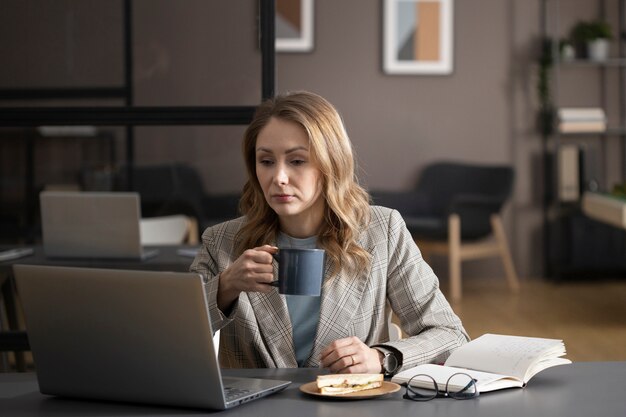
251,272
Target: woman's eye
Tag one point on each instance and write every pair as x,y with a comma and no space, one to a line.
298,162
266,162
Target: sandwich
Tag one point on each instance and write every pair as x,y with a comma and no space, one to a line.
339,384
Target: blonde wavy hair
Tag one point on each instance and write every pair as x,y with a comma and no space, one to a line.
347,203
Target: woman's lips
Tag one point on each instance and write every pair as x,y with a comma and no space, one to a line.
282,198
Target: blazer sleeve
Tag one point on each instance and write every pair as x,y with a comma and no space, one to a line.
211,260
413,292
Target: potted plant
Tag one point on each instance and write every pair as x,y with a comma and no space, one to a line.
593,38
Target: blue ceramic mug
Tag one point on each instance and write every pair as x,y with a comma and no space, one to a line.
300,271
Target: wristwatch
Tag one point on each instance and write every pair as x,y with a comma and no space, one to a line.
389,362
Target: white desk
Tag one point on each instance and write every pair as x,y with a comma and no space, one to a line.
605,208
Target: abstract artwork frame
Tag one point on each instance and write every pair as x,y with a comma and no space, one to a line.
418,37
294,25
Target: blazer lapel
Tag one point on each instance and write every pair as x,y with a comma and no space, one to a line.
341,296
275,329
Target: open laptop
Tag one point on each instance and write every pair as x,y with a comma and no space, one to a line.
104,225
133,336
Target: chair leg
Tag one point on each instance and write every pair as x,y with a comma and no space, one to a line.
454,255
426,253
505,253
4,356
192,231
10,302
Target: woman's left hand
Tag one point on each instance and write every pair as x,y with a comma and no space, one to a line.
351,356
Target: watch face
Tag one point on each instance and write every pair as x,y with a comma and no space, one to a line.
390,363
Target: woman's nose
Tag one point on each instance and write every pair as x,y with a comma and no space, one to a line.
281,176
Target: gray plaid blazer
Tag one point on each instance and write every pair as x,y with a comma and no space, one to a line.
257,332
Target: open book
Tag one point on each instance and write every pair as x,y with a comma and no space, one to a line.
495,361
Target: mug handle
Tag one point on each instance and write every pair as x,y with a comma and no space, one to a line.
275,283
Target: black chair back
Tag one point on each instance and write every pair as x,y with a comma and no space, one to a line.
177,188
472,191
445,182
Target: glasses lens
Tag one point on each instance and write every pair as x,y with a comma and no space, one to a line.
421,388
461,387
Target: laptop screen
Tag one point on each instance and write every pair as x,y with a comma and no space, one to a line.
91,224
133,336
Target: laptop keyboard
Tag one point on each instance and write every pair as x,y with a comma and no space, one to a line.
232,393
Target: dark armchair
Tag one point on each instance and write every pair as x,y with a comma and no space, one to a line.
454,210
178,189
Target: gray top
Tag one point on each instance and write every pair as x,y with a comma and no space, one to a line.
304,311
578,390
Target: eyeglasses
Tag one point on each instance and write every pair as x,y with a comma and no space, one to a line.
422,387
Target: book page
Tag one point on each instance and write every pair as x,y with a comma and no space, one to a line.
484,381
507,355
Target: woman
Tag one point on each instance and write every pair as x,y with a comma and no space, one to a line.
302,192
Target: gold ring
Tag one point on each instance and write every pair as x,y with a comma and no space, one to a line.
353,361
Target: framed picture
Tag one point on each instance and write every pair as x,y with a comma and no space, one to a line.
418,37
294,25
